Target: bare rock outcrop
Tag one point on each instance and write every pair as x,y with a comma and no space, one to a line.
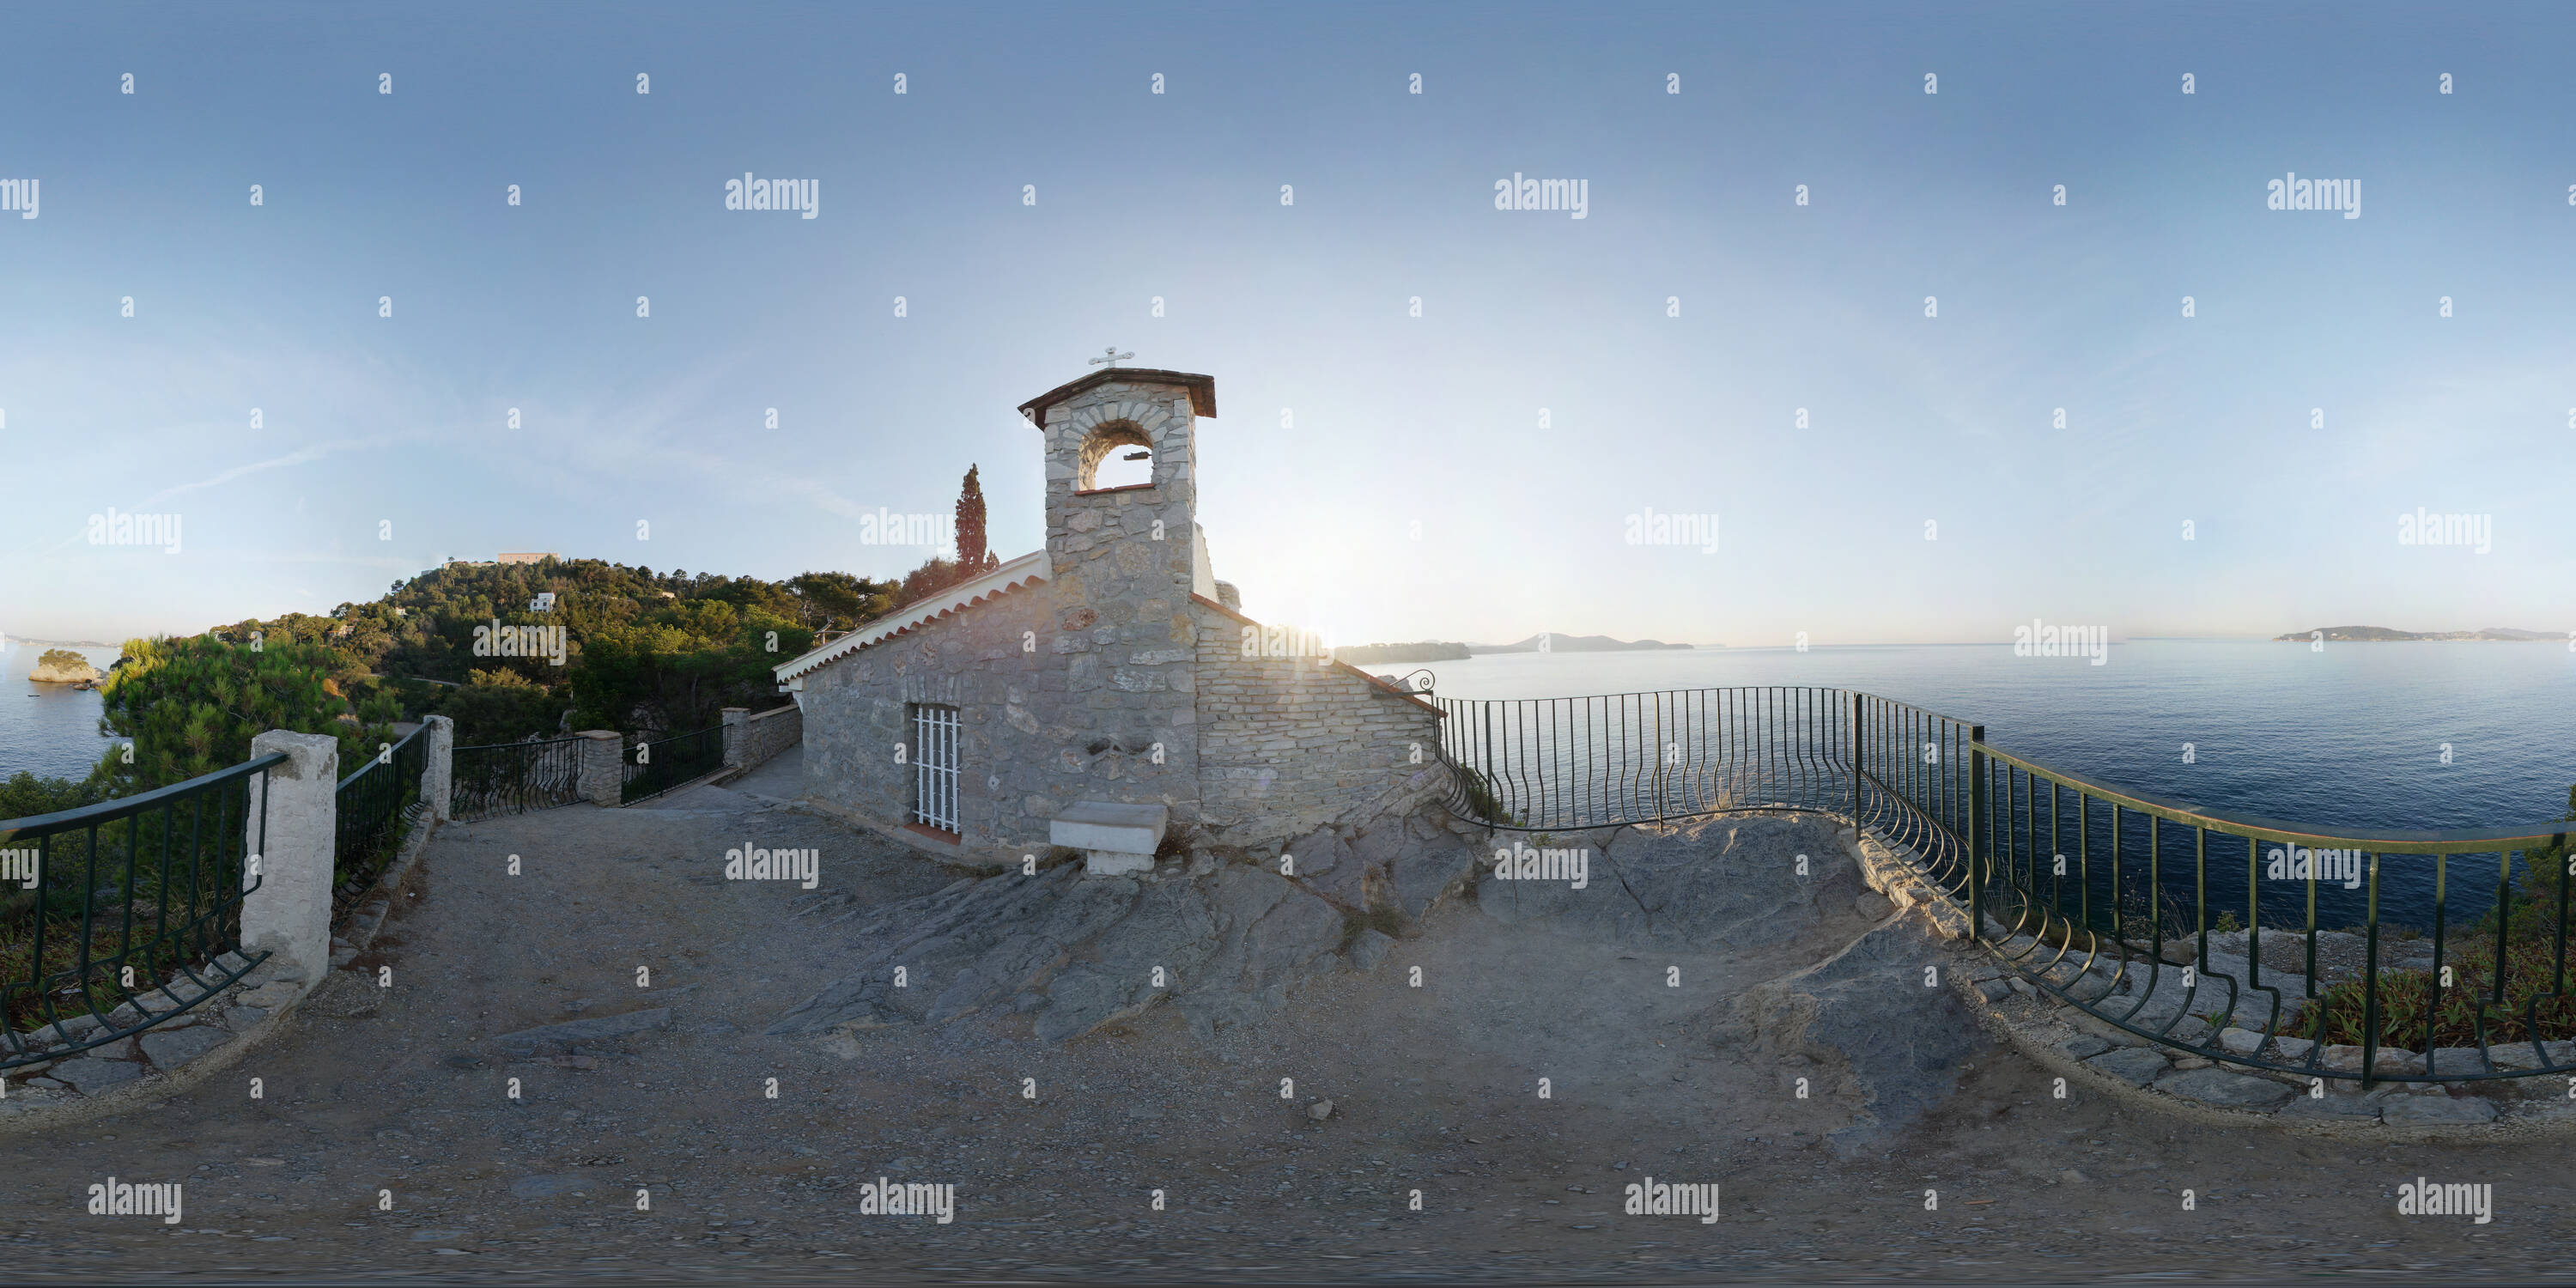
1221,941
1745,881
1867,1014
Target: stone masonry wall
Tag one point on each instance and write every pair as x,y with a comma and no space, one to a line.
857,708
770,732
1027,744
1287,746
1123,564
1095,684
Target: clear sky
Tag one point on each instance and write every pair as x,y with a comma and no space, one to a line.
1374,474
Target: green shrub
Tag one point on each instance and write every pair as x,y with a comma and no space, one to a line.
24,795
499,706
1480,798
2530,907
191,707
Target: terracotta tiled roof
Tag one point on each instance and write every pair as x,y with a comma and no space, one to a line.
1202,389
1026,570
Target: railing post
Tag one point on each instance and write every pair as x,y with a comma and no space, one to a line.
295,806
737,737
602,772
438,768
1855,761
1976,832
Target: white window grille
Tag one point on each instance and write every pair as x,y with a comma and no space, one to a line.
934,760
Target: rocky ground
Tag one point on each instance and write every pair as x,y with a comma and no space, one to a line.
1554,1047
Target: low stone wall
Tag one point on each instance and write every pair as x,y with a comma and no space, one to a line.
754,740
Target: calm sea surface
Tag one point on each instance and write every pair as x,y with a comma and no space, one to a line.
49,729
2349,738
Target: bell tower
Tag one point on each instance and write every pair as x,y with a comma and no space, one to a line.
1128,553
1122,564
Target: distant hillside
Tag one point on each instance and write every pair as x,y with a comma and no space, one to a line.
2375,634
1572,644
1383,654
627,648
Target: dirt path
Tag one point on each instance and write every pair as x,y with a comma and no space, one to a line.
1434,1088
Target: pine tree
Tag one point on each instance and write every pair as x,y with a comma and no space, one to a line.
190,706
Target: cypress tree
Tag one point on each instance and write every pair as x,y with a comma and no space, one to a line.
972,557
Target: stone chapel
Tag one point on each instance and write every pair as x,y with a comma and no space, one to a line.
1097,693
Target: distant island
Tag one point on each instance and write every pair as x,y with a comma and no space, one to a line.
1383,654
2375,634
62,666
1572,644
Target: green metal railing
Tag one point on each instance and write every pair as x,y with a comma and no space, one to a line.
652,768
1560,764
2123,904
120,915
515,777
371,801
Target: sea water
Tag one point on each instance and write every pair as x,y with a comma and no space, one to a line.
48,729
2418,736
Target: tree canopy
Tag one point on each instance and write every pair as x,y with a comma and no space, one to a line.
191,706
640,651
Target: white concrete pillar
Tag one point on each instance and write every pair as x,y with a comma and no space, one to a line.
603,768
737,727
292,829
438,769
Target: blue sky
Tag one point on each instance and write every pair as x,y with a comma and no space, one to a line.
1345,421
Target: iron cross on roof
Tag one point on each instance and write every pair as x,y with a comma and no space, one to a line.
1111,356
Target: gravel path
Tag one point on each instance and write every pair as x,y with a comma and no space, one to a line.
1433,1088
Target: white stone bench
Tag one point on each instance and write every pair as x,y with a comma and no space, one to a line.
1114,839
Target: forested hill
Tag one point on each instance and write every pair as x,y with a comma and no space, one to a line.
640,649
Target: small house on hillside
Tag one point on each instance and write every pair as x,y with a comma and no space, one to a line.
1096,693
